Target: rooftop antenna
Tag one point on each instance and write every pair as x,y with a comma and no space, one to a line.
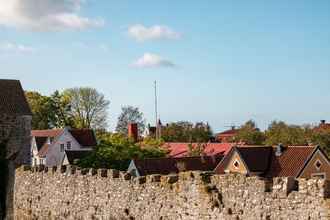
232,126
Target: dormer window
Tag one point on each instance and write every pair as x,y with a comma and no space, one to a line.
318,164
236,164
68,145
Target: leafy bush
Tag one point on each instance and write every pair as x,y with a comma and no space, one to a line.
115,152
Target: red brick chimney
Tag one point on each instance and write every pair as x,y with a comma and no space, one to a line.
133,131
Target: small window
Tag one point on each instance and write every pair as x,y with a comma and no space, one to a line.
62,148
236,164
318,164
68,145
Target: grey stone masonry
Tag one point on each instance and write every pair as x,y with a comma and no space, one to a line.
74,193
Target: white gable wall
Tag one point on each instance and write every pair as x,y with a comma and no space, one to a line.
55,156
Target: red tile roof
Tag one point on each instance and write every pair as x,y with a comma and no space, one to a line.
291,161
181,149
230,132
46,133
263,159
12,98
172,165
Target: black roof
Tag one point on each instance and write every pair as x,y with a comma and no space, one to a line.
76,155
175,165
12,98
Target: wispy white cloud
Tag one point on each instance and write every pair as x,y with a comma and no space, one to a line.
149,60
156,32
45,15
83,45
16,48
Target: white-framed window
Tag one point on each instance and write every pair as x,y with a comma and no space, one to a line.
319,175
62,147
41,161
68,145
318,164
236,164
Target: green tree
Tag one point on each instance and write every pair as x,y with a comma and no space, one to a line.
321,137
115,152
280,132
250,134
196,150
130,114
88,107
42,111
61,108
184,131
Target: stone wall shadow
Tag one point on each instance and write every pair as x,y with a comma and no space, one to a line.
3,180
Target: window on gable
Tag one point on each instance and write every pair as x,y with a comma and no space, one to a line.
68,145
318,164
62,147
236,164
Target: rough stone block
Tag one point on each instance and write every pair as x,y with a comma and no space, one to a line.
172,179
127,176
103,172
92,171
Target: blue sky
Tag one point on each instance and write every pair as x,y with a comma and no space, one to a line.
220,61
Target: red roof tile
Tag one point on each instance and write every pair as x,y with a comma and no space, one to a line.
46,133
263,159
181,149
230,132
291,161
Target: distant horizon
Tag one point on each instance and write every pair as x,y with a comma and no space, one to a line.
222,62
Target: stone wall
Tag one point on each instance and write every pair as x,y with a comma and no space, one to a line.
15,136
70,193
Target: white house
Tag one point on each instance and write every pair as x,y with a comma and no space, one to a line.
48,147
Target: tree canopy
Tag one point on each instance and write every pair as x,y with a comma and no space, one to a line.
88,107
184,131
130,114
76,107
250,134
116,150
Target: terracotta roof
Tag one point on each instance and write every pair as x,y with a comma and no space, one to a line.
230,132
181,149
174,165
291,161
85,137
43,151
46,133
76,155
264,160
12,98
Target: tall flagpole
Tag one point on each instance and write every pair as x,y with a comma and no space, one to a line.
156,110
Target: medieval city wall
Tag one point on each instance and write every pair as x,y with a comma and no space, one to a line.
15,150
70,193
